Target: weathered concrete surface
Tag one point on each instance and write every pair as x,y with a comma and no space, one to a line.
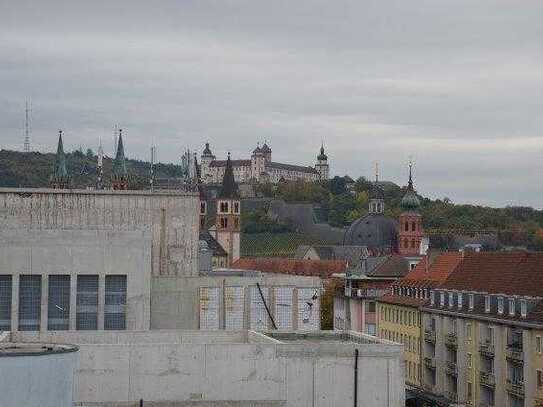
175,300
177,368
41,379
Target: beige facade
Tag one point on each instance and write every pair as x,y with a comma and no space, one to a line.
481,361
402,324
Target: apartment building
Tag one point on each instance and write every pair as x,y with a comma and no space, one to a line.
399,316
483,332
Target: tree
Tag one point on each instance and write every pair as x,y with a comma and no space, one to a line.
90,154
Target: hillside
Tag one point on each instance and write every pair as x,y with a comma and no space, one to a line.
18,169
339,201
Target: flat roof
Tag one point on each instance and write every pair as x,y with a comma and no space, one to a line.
12,349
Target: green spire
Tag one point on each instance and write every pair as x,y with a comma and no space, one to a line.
119,165
410,201
60,160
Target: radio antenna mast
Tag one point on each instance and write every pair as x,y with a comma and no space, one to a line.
27,128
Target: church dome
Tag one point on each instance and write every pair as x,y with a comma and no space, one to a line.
207,151
374,231
410,201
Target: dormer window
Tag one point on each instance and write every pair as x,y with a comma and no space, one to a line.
487,303
432,298
451,300
523,308
441,299
500,305
471,301
511,306
459,299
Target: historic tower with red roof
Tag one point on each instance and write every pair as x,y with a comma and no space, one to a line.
410,233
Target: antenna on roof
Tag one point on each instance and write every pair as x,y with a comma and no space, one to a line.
376,172
28,109
152,167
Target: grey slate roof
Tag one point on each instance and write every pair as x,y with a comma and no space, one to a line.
212,244
375,231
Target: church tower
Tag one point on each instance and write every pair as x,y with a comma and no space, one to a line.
206,159
376,196
100,167
410,232
227,222
59,178
119,180
322,166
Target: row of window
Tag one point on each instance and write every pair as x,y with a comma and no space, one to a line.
224,223
411,343
224,207
448,299
399,316
422,293
414,226
58,302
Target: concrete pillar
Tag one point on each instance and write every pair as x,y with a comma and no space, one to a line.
15,303
295,309
246,308
101,300
73,302
44,302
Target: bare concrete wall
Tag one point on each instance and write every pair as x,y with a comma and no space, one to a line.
168,368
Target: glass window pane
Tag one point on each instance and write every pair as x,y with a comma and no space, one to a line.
5,303
87,303
115,306
58,308
29,302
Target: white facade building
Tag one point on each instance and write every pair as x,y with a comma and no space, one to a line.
261,168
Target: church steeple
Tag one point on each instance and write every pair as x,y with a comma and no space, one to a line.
100,167
227,221
376,195
410,223
120,175
322,166
59,177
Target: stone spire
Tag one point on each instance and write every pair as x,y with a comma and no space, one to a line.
59,177
120,175
100,167
229,187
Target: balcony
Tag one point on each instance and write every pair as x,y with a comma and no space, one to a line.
430,336
538,402
487,379
515,388
451,340
486,349
430,363
451,369
451,396
485,404
514,353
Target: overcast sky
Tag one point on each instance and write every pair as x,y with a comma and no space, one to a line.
456,84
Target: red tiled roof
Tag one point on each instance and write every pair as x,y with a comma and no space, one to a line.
314,268
431,274
509,273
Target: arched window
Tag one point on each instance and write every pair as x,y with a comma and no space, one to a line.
413,243
405,244
413,226
407,226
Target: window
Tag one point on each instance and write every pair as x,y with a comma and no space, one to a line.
413,243
371,306
223,207
539,378
87,303
203,207
224,223
58,307
511,306
407,226
538,344
500,305
471,300
413,226
459,299
29,302
468,330
523,308
5,303
441,299
115,305
470,391
469,360
236,207
451,300
487,303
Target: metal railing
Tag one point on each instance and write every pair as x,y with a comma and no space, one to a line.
451,369
451,340
515,353
430,336
487,379
486,349
515,387
430,363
